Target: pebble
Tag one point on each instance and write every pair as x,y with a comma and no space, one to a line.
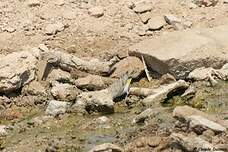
97,11
156,23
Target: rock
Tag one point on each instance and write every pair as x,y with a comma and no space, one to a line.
199,124
183,113
129,65
16,70
33,3
106,147
156,23
91,65
142,7
59,2
90,82
59,75
52,29
3,130
205,3
34,88
225,1
141,91
95,101
202,47
145,17
9,29
167,79
56,108
191,91
64,91
171,19
146,114
96,11
191,142
165,91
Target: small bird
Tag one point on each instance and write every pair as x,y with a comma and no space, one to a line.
120,87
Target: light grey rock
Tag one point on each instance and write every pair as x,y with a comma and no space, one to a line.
183,113
64,91
171,19
161,93
94,101
106,147
129,65
90,82
55,107
52,29
191,142
33,3
96,11
199,123
180,52
59,75
34,88
3,130
156,23
145,17
16,70
142,7
146,114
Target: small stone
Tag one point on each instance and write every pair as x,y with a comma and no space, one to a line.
55,107
205,3
145,17
64,91
192,5
142,7
97,11
156,23
59,75
52,29
60,2
34,88
171,19
187,24
225,1
167,79
9,29
33,3
106,147
3,131
90,82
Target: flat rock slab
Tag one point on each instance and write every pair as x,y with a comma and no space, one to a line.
181,52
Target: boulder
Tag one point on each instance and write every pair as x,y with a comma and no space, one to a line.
64,91
180,52
145,17
106,147
129,65
90,82
166,91
199,124
16,70
56,108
